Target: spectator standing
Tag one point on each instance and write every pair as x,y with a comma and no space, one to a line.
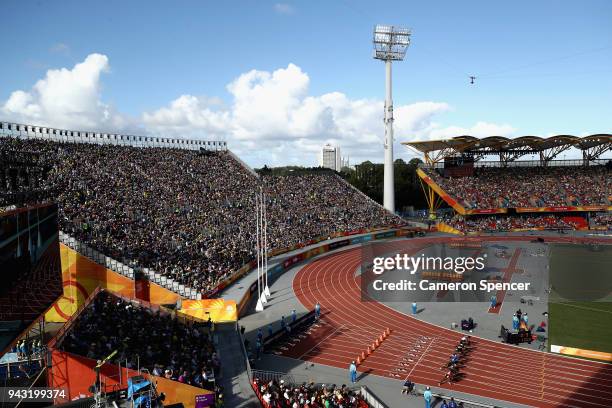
452,403
427,397
515,322
353,372
293,316
317,310
257,348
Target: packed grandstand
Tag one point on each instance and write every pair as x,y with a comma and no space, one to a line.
555,197
185,214
189,215
514,195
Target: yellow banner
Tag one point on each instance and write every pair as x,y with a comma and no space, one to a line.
219,310
571,351
443,227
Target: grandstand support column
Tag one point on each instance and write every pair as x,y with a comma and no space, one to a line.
389,183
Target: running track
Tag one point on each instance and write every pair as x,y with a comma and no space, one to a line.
419,349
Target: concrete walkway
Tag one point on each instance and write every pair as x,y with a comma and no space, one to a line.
233,377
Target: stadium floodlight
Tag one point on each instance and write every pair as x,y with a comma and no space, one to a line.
390,44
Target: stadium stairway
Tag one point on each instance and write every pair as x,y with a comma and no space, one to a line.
237,391
33,295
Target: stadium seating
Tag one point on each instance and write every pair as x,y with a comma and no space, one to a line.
601,221
22,176
509,223
143,338
278,394
495,187
36,288
185,214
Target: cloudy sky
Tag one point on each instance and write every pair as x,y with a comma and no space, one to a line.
277,80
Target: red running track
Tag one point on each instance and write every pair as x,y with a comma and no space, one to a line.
418,349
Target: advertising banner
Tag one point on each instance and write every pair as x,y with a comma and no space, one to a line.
219,310
488,211
564,208
205,400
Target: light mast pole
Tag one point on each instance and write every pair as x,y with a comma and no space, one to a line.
390,44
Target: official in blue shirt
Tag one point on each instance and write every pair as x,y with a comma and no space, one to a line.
353,372
427,397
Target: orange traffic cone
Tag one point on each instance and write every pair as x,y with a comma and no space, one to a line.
381,338
388,331
369,350
358,360
363,356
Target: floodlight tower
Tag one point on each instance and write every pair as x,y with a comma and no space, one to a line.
390,44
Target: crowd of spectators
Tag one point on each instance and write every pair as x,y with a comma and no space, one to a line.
187,214
144,339
601,220
275,394
507,223
22,177
495,187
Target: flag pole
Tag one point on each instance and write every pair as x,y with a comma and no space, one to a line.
259,307
265,210
262,294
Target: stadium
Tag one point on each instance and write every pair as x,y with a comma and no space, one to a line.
164,270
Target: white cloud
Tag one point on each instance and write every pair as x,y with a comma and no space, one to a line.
272,119
68,98
479,129
284,8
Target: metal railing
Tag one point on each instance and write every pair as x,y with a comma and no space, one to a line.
126,270
370,398
21,131
266,376
466,403
526,163
19,363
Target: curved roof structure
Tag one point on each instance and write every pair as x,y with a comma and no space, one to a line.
510,149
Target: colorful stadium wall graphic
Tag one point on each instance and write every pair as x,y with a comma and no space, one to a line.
76,374
81,276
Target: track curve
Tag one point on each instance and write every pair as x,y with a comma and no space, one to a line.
493,370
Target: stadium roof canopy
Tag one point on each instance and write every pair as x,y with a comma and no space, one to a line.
510,149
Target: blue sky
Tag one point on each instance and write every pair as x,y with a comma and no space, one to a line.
543,68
